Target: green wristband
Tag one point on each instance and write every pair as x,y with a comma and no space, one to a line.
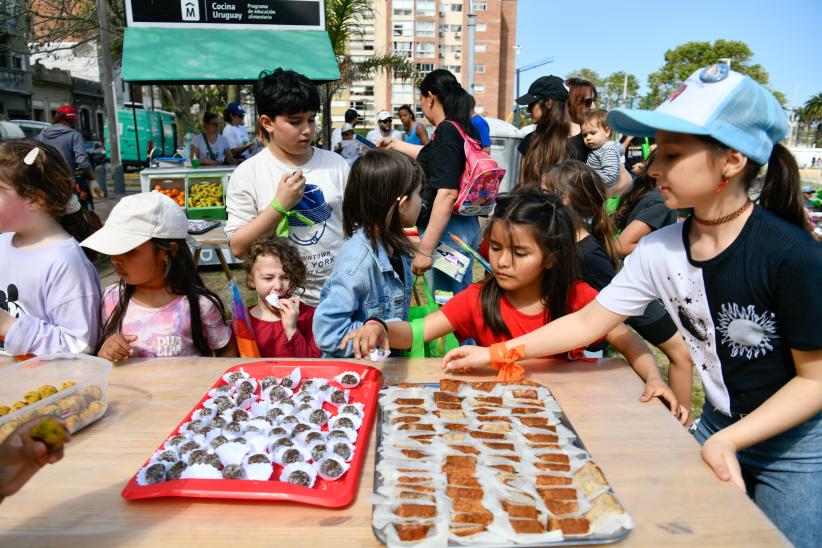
282,227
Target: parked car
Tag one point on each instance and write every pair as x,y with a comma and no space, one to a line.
10,130
96,153
31,128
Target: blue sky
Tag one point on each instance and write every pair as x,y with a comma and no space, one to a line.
632,35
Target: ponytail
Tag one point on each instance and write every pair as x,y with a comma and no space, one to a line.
457,103
780,192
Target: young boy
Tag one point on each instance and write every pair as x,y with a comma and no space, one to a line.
290,187
606,154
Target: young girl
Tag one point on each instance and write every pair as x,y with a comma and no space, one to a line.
641,211
282,325
739,279
49,291
532,252
371,281
160,307
583,190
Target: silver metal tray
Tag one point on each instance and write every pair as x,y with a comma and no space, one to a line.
577,442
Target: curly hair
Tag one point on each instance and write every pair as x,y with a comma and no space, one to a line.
281,248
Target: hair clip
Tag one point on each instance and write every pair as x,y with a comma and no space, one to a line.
31,156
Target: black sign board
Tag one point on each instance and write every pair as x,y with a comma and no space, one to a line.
252,14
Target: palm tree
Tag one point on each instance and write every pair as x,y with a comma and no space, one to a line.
344,21
811,114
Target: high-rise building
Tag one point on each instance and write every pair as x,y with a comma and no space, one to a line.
433,34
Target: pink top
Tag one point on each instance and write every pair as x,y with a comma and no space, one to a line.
166,331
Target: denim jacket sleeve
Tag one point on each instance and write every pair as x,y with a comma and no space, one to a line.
338,311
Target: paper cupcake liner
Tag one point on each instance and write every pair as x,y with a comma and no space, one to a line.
339,379
232,452
258,471
350,435
234,377
333,394
141,476
343,465
301,467
280,452
353,408
356,421
333,445
201,471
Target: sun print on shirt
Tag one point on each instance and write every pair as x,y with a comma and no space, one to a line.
747,333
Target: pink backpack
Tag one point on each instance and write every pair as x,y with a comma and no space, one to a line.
480,180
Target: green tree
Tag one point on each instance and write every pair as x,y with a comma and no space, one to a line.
344,20
810,116
613,87
683,60
586,74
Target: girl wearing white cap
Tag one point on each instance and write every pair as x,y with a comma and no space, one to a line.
740,280
160,307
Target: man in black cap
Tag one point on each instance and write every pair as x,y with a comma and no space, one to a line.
547,89
351,117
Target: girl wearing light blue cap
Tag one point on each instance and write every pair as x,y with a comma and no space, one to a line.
739,279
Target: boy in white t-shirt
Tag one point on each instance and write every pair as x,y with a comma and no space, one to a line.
289,188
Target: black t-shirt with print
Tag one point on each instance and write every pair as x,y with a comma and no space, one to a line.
595,267
442,160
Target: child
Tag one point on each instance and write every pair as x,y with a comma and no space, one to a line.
641,211
348,147
21,456
532,252
283,329
739,279
371,283
49,291
290,182
606,155
582,189
160,307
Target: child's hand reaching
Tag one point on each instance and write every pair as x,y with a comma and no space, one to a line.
657,388
366,338
21,457
720,454
289,312
117,347
464,358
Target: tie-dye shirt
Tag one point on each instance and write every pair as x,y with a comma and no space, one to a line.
166,331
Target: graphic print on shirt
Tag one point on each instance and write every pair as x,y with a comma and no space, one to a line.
314,207
9,301
747,333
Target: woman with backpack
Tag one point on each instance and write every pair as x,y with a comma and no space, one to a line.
448,106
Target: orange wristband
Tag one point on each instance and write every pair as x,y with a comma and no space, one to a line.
505,360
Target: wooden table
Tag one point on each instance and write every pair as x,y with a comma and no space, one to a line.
652,463
215,240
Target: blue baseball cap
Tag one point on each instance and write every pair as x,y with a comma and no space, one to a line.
235,108
715,101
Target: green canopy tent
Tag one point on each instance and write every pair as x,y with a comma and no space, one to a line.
156,55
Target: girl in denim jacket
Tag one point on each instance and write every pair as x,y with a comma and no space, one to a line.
371,281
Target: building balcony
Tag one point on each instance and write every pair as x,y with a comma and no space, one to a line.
17,81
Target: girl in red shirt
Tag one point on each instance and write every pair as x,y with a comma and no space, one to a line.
532,250
282,326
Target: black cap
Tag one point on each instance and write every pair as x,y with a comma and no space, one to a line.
545,87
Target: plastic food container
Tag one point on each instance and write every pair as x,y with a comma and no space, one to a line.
78,405
205,197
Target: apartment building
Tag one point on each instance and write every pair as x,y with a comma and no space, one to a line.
433,34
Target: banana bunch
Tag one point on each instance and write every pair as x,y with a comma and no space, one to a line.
205,195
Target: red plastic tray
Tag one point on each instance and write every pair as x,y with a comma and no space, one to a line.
330,494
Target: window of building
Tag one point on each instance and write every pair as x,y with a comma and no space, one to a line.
404,28
479,47
453,7
403,7
482,27
479,88
402,88
425,67
426,8
403,49
456,69
452,48
425,49
479,109
480,6
425,29
479,68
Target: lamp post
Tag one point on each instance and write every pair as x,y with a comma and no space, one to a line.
520,70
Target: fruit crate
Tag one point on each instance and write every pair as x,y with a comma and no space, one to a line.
173,187
205,197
